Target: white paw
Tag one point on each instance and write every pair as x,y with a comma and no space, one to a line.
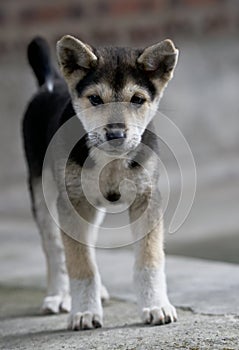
84,320
56,303
104,295
159,315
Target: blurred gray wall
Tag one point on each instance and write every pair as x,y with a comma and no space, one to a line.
202,101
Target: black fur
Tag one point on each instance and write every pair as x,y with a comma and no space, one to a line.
119,64
113,197
47,111
38,54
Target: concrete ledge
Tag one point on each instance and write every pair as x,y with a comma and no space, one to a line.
204,286
205,293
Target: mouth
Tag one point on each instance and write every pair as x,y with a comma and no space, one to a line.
112,149
114,146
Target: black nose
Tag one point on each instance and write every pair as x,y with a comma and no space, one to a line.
115,134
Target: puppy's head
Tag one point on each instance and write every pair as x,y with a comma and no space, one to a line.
115,91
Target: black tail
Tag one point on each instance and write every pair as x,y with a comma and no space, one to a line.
39,57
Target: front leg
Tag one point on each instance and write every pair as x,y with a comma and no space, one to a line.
85,283
149,275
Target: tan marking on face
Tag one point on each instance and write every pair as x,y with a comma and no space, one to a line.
102,89
106,93
132,89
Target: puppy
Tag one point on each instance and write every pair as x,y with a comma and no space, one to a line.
99,114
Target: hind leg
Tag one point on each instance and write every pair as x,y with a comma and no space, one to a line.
58,296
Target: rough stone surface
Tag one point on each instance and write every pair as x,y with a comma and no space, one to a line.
122,330
205,293
203,286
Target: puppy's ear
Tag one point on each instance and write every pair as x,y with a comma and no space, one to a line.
160,58
73,55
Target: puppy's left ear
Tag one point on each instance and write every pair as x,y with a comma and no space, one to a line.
160,59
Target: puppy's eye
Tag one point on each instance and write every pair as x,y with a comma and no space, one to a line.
95,100
137,100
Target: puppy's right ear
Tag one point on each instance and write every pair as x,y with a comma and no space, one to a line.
74,56
159,60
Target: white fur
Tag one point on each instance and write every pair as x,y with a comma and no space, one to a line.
56,303
86,310
86,288
50,84
151,290
104,294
